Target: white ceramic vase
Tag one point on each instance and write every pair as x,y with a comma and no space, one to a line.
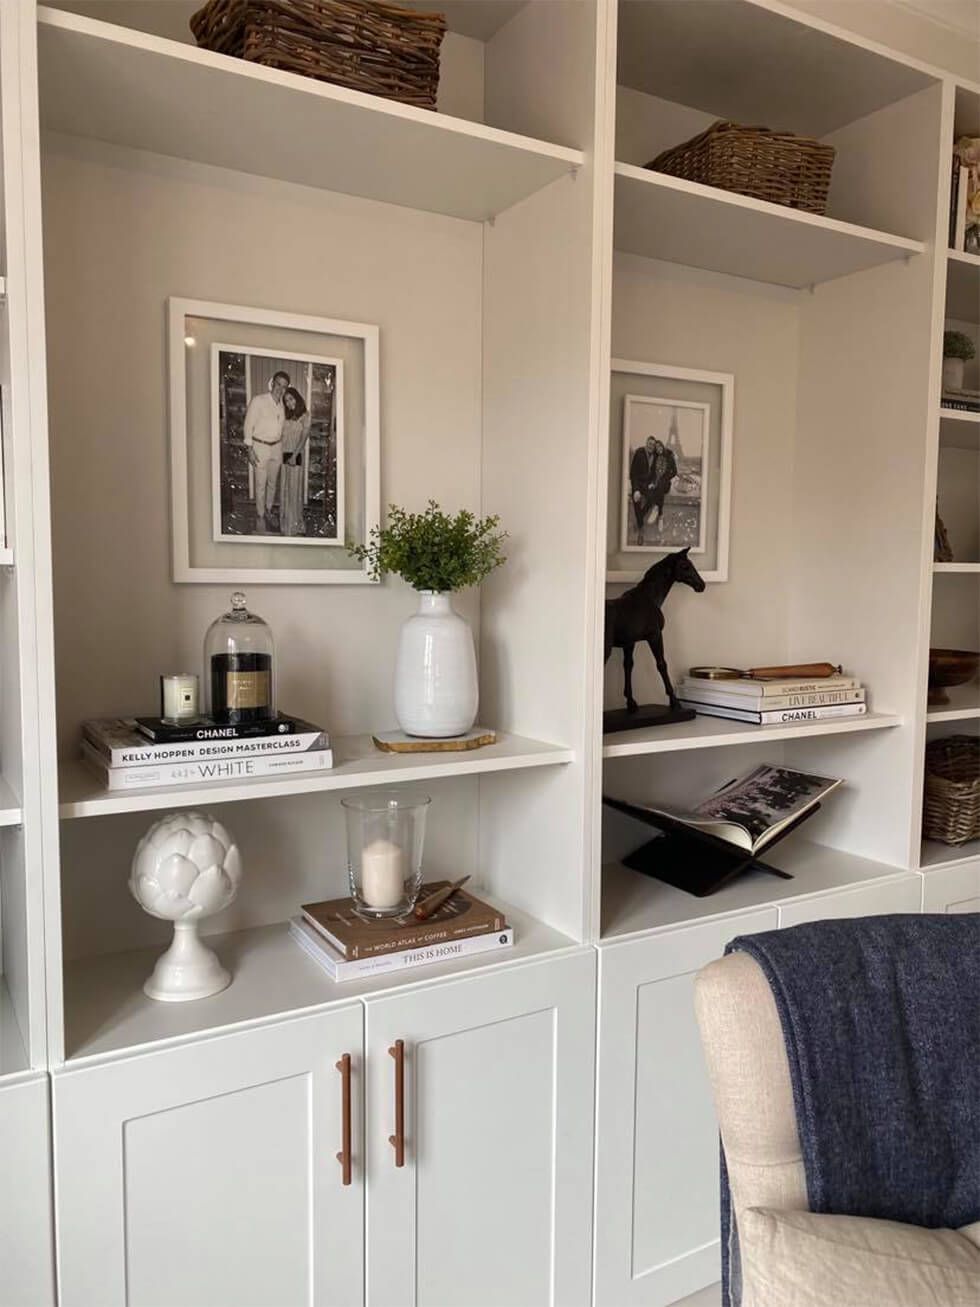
436,692
185,868
952,374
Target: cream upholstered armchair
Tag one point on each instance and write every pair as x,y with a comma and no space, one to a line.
790,1257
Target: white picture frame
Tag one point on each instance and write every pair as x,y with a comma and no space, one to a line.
366,466
697,393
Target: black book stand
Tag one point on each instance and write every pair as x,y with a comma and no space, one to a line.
692,860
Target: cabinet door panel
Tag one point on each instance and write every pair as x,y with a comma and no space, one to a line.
206,1175
952,889
902,895
493,1204
26,1235
657,1196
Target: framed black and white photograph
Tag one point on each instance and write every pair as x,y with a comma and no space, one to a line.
275,444
665,475
277,432
670,468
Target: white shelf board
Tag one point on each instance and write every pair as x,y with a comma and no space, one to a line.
106,1010
3,288
966,568
357,764
6,558
13,1054
958,430
964,703
11,813
633,903
712,732
664,217
132,89
963,286
935,854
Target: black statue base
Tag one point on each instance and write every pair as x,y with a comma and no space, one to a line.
647,714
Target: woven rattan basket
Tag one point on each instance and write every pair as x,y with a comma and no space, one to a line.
774,166
361,44
951,812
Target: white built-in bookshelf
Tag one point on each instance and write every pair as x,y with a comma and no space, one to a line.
514,232
508,248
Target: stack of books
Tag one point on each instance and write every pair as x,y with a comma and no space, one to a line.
966,400
348,946
771,703
134,752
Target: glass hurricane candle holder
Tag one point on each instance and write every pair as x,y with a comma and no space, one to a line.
385,834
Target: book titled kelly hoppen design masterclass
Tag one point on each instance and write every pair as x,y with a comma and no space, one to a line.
118,744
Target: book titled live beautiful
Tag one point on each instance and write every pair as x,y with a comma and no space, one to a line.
462,917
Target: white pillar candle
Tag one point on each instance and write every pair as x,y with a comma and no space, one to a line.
382,874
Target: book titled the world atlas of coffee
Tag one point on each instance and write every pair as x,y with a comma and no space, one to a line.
353,936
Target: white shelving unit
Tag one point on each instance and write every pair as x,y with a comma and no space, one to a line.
965,568
714,732
357,764
679,221
963,286
964,704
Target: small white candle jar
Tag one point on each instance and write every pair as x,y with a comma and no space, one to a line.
385,834
179,698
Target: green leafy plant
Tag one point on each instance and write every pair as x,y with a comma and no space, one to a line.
432,550
957,345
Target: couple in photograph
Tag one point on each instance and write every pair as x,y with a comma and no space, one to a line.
277,430
653,468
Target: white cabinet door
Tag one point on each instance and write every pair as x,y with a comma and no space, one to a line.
899,895
952,889
26,1236
206,1175
493,1203
657,1198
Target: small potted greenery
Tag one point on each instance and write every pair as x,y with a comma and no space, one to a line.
436,691
958,349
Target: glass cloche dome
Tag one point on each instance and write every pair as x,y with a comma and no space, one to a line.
239,667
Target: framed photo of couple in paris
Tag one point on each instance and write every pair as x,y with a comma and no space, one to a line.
670,468
275,444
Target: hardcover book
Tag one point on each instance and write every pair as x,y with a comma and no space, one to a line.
809,699
778,716
202,773
156,729
119,743
754,809
354,936
769,689
339,968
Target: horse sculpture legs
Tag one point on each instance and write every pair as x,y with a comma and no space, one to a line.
657,649
631,704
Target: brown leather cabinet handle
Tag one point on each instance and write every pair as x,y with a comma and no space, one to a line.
344,1156
397,1140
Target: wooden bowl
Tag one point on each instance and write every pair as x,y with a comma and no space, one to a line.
950,667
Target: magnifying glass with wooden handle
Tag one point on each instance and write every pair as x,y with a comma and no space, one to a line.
816,671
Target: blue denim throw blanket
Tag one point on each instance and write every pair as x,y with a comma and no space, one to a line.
881,1018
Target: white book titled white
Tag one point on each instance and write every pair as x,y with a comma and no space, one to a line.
338,968
203,773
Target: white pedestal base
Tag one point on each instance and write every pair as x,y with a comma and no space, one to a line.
188,970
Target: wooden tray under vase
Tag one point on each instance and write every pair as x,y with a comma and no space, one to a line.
365,45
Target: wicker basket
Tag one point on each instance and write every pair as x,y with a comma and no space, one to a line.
774,166
361,44
951,811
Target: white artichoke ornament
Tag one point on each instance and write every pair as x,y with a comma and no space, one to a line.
185,868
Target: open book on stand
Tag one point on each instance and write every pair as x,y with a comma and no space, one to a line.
706,846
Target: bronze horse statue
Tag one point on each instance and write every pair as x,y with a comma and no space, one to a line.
636,615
